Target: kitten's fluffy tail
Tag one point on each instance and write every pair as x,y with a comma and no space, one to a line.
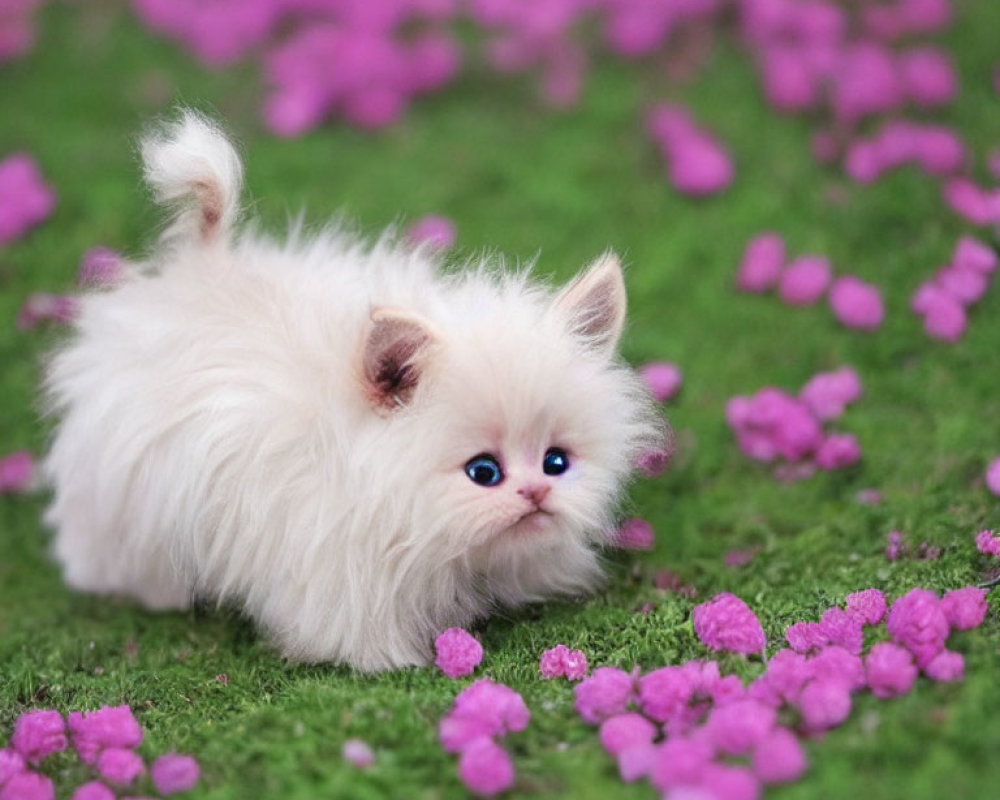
193,168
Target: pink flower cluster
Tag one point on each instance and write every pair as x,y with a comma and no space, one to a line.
804,280
726,623
935,149
692,732
105,739
663,379
17,27
773,424
972,202
897,547
436,231
697,163
483,713
17,472
635,534
42,307
561,662
25,199
100,266
458,652
361,60
944,300
988,543
993,476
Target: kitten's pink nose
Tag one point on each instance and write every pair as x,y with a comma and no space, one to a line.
535,492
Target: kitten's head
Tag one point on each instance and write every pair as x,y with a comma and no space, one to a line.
517,424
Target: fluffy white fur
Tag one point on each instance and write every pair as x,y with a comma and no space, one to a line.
285,425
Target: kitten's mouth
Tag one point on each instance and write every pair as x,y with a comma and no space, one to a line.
531,521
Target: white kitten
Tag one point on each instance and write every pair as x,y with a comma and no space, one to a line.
358,450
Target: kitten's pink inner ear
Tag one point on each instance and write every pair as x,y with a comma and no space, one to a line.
594,304
392,359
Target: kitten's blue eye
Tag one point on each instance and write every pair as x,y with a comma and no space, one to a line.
484,470
556,461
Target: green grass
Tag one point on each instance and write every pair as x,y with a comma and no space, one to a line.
522,180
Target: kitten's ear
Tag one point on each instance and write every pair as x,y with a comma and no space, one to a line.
594,304
393,356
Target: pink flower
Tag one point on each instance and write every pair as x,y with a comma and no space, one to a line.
17,472
637,761
965,285
946,666
353,751
607,692
928,76
25,198
663,379
624,731
697,163
827,394
11,764
970,201
635,534
778,757
945,319
110,726
804,280
726,623
39,734
439,232
552,663
575,663
890,670
787,672
732,783
868,606
837,663
93,790
917,622
964,608
837,451
28,785
120,765
762,261
100,266
970,253
894,545
865,82
993,477
665,693
737,728
485,768
498,705
842,629
803,637
653,463
458,652
988,544
856,304
44,306
680,762
824,704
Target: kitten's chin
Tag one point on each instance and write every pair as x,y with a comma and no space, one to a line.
534,523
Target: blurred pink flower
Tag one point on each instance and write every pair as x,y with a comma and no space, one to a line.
890,670
485,768
25,199
761,264
663,379
437,231
17,472
353,751
856,304
805,280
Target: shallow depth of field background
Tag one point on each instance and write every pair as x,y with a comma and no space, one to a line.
524,179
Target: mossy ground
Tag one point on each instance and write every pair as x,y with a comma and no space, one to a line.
520,179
